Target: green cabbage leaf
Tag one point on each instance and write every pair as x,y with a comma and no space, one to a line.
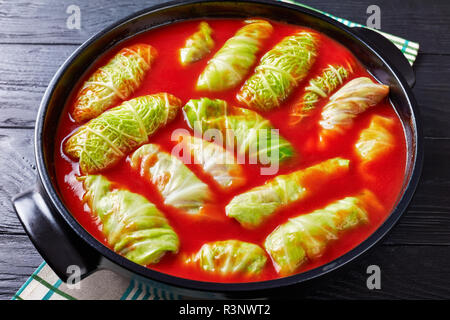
305,238
355,97
133,226
253,207
215,160
251,133
279,72
114,82
376,140
177,184
197,45
102,142
230,257
320,87
232,62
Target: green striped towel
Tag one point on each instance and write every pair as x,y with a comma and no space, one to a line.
44,284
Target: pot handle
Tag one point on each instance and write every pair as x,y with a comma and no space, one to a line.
68,256
388,48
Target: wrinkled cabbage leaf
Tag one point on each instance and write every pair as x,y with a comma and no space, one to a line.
376,140
253,207
114,82
230,257
352,99
232,62
280,71
133,226
320,87
306,237
197,45
249,131
105,140
215,161
177,184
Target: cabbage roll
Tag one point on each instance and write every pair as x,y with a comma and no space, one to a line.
232,62
178,186
253,133
253,207
306,237
133,226
105,140
215,161
114,82
319,87
197,45
376,140
230,257
354,98
279,72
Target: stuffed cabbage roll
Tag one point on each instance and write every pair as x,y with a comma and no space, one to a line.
114,82
253,207
253,134
306,237
376,140
232,62
280,71
197,45
230,257
178,186
133,226
105,140
319,87
354,98
215,160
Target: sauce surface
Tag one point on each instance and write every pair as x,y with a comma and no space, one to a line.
168,75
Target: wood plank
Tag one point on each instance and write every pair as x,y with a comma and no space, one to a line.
427,221
26,70
17,173
20,19
432,92
414,20
18,260
407,272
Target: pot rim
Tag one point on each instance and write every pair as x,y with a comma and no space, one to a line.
219,287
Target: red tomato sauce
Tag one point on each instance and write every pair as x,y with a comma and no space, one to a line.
168,75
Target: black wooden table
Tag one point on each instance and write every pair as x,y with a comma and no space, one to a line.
414,259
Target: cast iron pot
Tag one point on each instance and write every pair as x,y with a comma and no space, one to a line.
63,242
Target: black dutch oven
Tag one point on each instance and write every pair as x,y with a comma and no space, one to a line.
62,241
